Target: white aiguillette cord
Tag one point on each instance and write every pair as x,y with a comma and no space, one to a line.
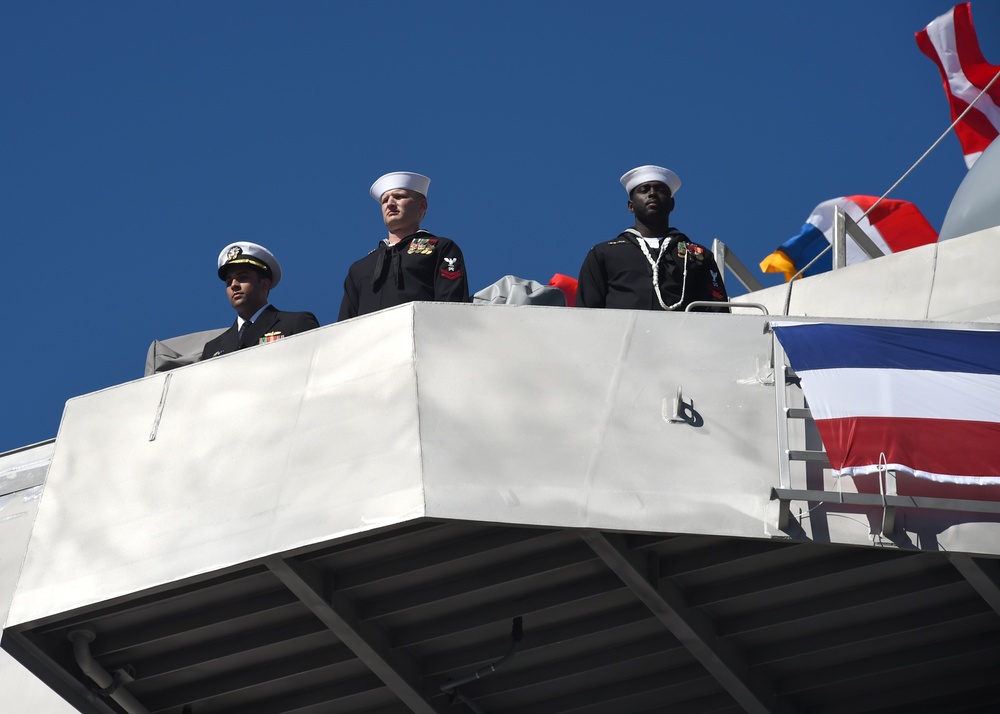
655,264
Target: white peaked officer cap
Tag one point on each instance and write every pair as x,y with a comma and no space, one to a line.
244,253
400,179
644,174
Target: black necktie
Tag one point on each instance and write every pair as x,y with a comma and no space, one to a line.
243,329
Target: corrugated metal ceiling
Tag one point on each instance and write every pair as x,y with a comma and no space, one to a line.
611,623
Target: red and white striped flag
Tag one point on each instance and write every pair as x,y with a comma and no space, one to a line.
950,41
925,401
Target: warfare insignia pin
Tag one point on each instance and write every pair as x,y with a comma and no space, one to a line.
270,337
234,253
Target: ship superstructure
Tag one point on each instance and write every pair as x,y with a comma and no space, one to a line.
504,509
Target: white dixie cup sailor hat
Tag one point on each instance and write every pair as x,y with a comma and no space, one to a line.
400,179
643,174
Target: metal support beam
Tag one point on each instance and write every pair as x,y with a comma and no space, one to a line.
781,409
889,502
861,239
816,457
894,501
367,642
844,225
725,258
983,574
839,239
694,630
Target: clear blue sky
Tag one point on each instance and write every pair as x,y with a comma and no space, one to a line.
140,138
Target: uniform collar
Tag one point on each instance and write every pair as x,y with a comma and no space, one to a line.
256,316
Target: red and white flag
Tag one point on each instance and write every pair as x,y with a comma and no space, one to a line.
950,41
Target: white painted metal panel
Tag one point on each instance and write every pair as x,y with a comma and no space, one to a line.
266,449
21,477
559,417
953,280
966,287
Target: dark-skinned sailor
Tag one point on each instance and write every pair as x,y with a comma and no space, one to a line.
651,266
